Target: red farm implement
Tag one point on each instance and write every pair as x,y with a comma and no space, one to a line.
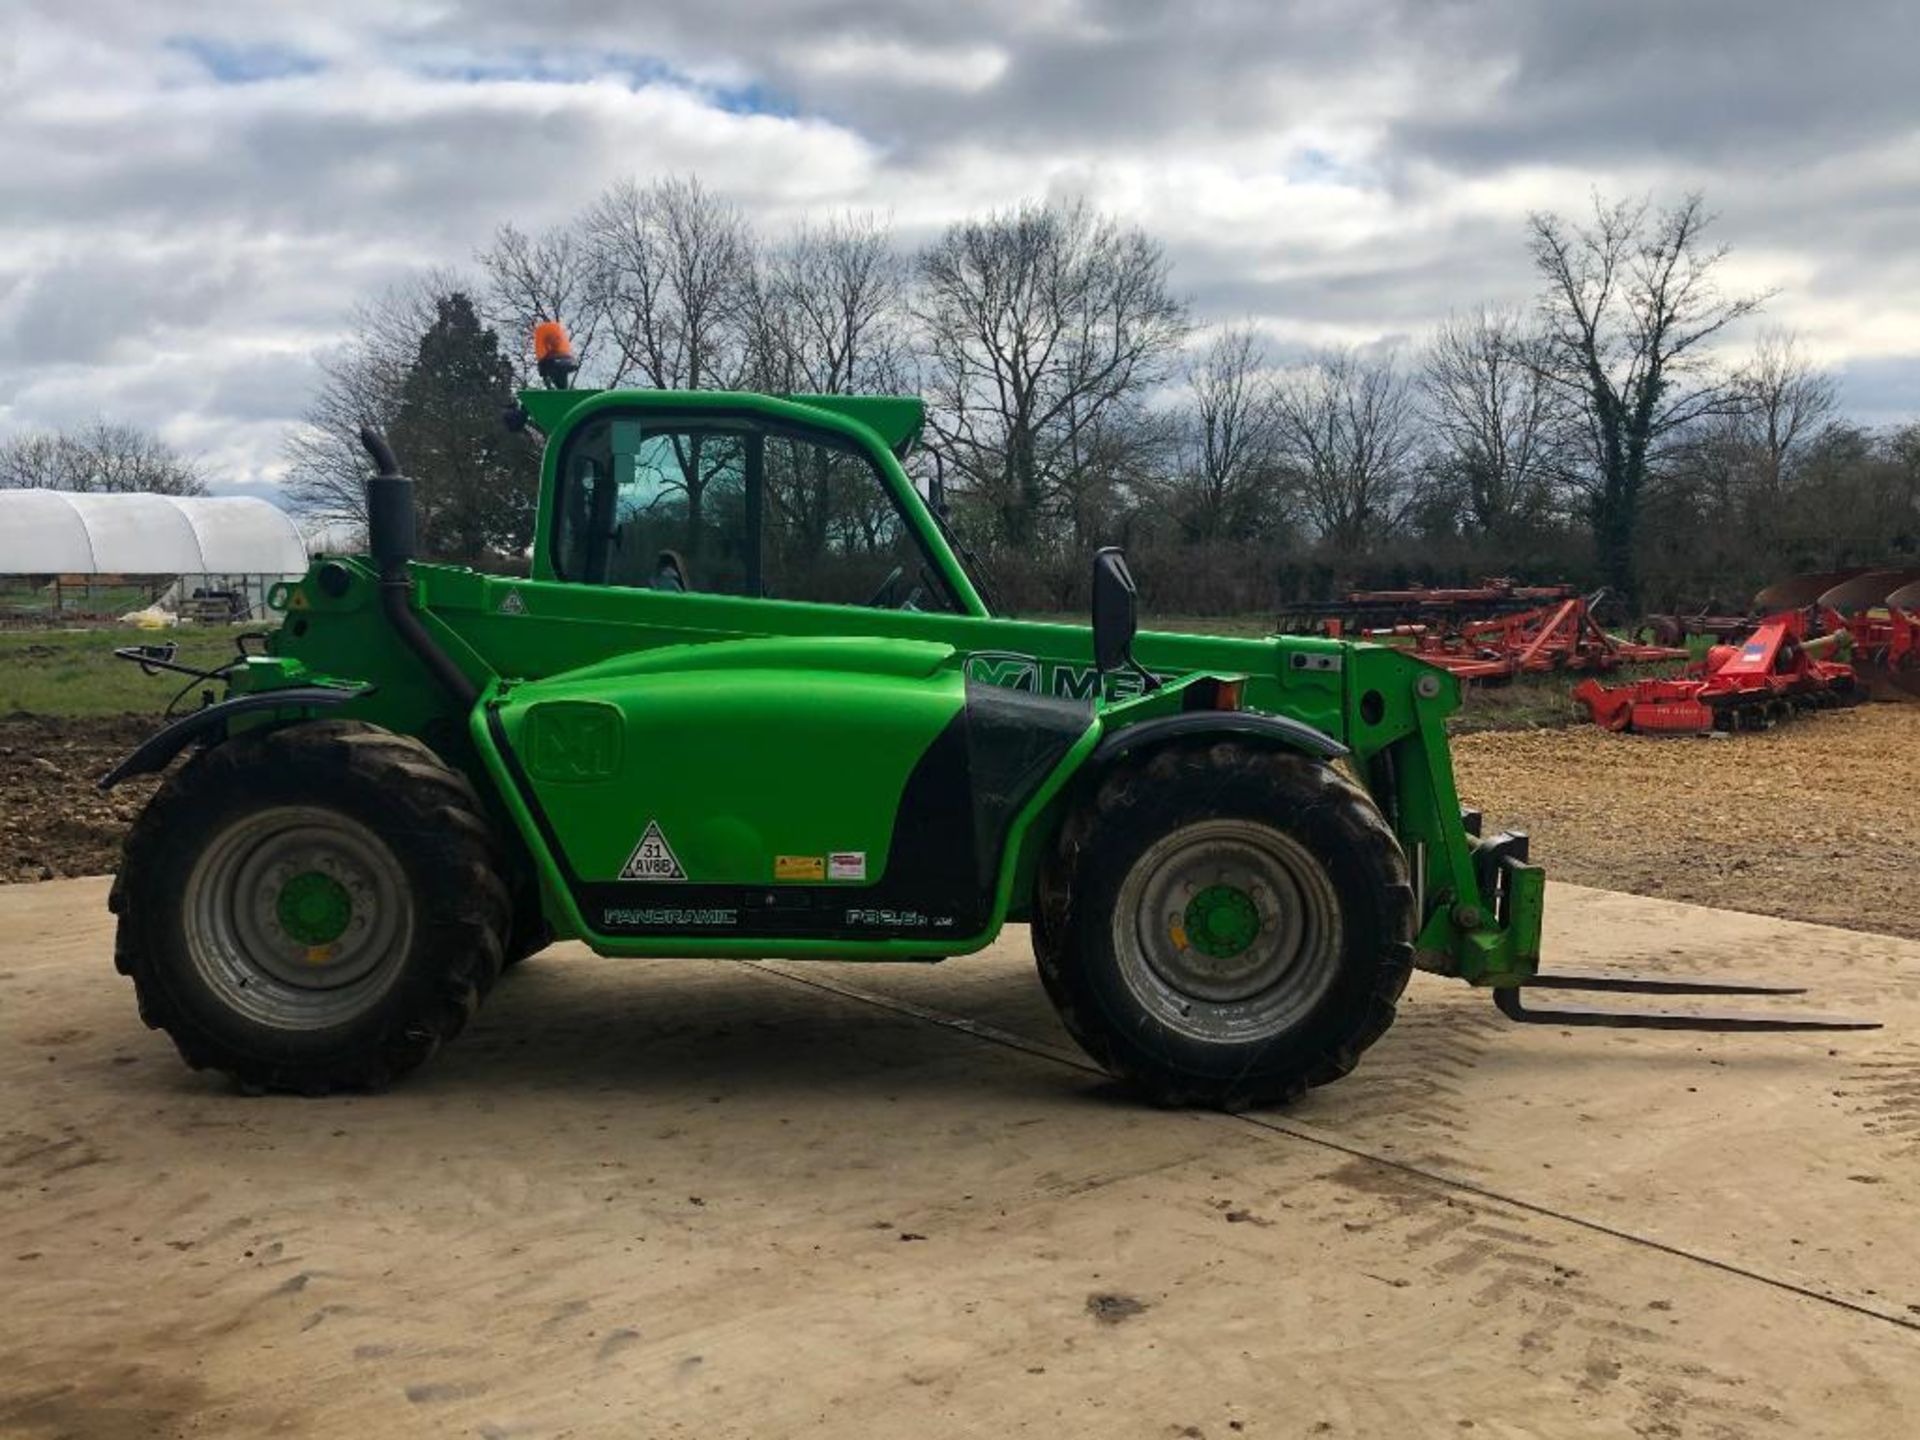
1490,633
1561,636
1414,608
1879,610
1775,672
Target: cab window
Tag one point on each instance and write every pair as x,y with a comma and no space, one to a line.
659,508
831,532
735,510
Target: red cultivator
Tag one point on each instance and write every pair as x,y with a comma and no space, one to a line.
1490,633
1772,674
1563,636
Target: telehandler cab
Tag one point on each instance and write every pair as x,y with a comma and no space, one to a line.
751,702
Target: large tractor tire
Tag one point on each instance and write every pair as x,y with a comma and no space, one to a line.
313,908
1224,925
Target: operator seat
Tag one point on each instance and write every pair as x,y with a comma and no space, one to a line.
669,572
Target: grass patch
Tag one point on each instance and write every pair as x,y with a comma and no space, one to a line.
73,672
1528,702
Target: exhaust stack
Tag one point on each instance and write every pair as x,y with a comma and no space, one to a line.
390,538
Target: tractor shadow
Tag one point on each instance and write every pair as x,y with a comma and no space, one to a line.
668,1027
693,1029
671,1038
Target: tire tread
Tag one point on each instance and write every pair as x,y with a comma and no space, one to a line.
466,921
1335,800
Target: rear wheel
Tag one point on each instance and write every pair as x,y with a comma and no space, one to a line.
1224,925
314,908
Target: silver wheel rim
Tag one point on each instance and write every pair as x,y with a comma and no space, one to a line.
235,922
1261,988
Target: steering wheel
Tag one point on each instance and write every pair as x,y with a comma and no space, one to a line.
883,597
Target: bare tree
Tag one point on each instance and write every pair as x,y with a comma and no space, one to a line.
1629,303
677,265
1040,327
1730,489
1496,418
102,457
555,275
1786,402
362,382
828,314
1226,482
1346,432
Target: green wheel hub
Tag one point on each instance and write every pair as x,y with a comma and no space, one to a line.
1227,930
314,908
298,917
1222,921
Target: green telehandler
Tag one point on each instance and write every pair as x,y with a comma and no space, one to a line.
751,702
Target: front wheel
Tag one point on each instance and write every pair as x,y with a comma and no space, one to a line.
1224,925
313,908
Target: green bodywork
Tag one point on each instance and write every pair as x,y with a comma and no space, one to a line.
725,741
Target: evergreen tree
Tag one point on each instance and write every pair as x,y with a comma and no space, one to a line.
475,482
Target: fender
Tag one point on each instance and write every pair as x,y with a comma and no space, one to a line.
1030,841
1276,729
154,753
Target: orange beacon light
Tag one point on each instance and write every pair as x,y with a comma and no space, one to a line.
553,354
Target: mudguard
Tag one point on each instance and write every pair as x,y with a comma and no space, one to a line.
1279,729
153,754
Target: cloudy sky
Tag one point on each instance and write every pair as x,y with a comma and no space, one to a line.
193,195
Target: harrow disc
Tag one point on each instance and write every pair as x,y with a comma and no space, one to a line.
1866,591
1799,590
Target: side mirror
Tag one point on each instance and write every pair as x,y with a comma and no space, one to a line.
1114,618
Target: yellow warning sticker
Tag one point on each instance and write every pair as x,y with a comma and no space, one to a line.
799,867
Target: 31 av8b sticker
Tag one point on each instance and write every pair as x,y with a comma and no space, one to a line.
652,858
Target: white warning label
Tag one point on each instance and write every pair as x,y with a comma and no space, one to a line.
653,858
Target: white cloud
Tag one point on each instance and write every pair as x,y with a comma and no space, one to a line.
191,212
855,58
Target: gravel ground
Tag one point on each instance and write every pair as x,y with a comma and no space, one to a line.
1813,821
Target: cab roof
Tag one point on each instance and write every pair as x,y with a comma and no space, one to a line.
896,419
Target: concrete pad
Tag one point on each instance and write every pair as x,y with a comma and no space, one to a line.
711,1199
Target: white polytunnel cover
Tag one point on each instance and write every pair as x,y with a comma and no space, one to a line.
46,532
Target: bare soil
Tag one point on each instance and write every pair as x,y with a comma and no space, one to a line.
54,821
1816,820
